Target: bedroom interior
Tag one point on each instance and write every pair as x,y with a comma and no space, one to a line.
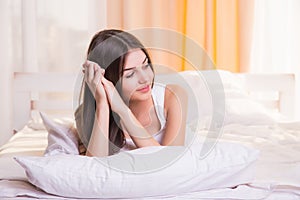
242,43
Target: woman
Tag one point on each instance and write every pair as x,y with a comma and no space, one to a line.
122,107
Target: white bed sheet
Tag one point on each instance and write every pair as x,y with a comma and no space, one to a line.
24,190
277,174
279,160
28,141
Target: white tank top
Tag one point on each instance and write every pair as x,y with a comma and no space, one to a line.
158,96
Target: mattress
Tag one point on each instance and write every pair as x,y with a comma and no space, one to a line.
276,176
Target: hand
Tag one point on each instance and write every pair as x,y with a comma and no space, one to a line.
93,74
116,102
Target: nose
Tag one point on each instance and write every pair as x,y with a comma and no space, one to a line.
143,77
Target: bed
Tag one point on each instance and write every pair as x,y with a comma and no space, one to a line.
257,112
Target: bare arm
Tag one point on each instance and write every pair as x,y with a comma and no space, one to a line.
138,133
176,105
130,124
99,141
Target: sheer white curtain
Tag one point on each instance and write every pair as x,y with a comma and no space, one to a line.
276,41
44,36
6,74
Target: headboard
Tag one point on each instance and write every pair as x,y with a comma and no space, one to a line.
54,93
48,92
282,85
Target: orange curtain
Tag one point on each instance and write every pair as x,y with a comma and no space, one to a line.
221,27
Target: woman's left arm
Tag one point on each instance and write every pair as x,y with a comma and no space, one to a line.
176,112
175,104
137,132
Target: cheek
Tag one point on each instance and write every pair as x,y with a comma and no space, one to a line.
151,74
128,86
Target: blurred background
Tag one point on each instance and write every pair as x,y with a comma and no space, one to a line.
259,36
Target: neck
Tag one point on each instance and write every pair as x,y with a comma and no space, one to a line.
139,107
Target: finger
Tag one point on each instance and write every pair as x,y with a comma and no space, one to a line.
108,86
86,74
88,62
90,74
105,84
97,67
102,71
97,77
84,64
104,81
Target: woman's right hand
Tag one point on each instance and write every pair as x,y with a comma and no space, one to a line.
93,74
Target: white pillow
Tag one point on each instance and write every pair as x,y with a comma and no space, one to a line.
247,112
149,171
62,137
208,90
205,89
240,107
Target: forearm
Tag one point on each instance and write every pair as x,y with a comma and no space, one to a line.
99,141
137,132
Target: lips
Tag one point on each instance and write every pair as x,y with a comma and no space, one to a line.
144,89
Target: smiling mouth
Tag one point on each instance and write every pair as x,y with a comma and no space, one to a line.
144,89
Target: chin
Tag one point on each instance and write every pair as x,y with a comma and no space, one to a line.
141,97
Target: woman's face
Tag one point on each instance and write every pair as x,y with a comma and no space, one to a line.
137,77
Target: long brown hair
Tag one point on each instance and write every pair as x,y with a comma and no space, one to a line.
108,48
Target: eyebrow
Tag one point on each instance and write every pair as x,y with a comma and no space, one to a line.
135,67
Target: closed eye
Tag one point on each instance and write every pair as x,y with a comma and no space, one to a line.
146,66
130,75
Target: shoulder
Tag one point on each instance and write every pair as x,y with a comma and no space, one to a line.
175,90
175,94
